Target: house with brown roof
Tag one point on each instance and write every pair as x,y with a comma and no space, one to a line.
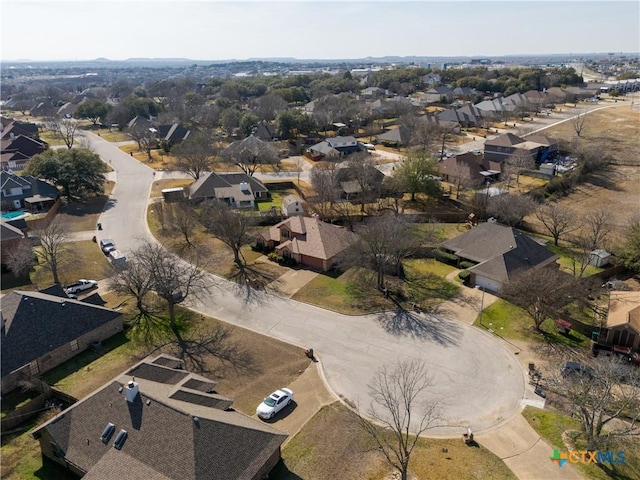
468,169
623,319
499,252
40,331
158,421
307,240
17,150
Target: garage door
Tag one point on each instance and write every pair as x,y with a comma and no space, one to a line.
487,284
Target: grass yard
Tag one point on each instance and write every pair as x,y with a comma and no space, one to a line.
354,292
566,261
276,199
159,159
82,215
21,457
511,322
331,434
113,135
82,259
551,426
159,185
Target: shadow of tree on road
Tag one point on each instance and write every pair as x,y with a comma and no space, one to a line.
425,326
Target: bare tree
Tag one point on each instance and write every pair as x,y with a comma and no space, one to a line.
180,217
20,257
67,128
510,209
52,249
595,229
384,242
397,404
324,179
135,281
520,162
250,154
196,154
557,220
171,278
143,137
366,176
553,290
578,121
607,408
229,226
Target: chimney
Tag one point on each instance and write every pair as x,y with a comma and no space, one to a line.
131,391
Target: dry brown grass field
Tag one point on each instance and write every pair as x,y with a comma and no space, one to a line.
617,187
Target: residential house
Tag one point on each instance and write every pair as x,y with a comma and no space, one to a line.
548,149
67,110
139,122
350,182
158,421
501,147
465,93
468,169
623,319
292,205
13,129
239,190
265,132
17,150
431,79
439,94
334,147
499,252
26,192
373,92
172,134
307,240
396,137
40,331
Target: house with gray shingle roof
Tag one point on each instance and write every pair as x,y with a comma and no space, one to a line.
308,240
40,331
239,190
158,421
499,252
26,191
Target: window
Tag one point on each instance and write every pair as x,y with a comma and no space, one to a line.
285,233
74,345
33,367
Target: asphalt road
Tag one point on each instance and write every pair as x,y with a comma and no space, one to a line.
476,381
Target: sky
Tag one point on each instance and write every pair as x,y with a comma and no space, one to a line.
307,29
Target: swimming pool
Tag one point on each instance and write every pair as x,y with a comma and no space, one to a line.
12,215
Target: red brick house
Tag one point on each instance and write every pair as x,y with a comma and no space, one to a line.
307,240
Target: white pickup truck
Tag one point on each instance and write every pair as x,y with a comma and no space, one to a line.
80,285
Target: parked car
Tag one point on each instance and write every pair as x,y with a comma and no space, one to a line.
79,286
274,403
576,369
107,245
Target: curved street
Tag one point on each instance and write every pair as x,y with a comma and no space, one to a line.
477,381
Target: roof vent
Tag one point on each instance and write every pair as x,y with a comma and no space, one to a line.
119,441
148,402
196,420
107,432
131,391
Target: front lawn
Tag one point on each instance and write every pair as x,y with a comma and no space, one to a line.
331,446
83,259
512,322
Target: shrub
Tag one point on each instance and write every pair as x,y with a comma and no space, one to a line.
464,275
273,256
465,264
445,257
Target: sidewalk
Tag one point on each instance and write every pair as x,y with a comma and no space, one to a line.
516,442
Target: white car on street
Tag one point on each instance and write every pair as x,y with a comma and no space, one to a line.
274,403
